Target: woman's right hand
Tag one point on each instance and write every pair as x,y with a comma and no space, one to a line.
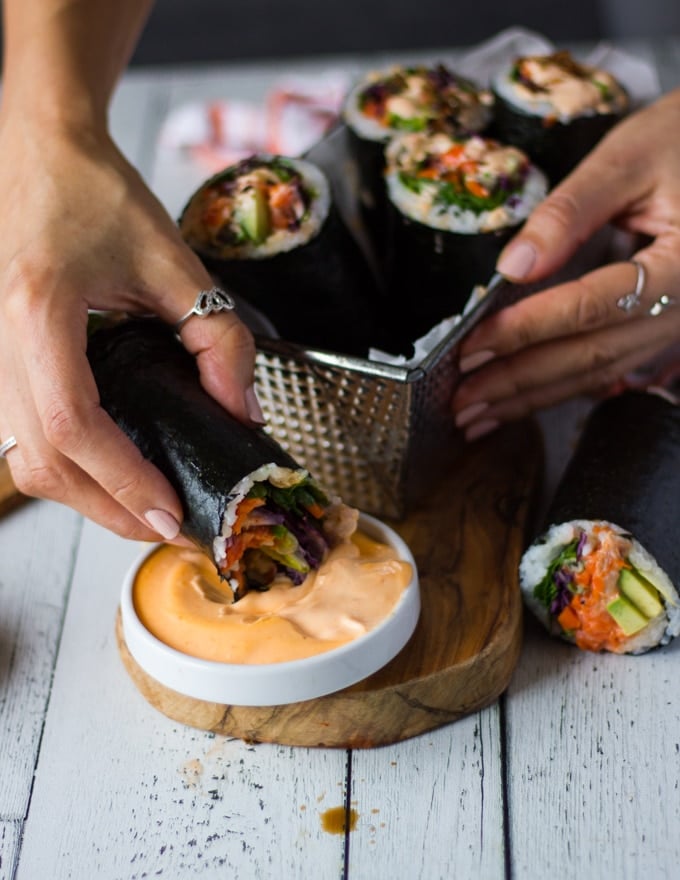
82,231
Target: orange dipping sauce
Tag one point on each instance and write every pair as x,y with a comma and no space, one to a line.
181,600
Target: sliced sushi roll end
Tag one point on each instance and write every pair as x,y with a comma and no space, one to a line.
462,185
556,108
277,521
593,584
255,209
418,98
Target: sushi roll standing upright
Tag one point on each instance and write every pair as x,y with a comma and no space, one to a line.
247,503
453,203
556,109
267,229
605,570
402,99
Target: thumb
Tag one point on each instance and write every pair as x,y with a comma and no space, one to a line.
596,191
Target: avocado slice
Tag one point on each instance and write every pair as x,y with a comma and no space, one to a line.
251,212
640,592
628,617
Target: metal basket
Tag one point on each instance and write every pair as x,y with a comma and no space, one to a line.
373,433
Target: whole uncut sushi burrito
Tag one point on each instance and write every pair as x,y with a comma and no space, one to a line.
267,228
556,109
454,202
247,503
604,572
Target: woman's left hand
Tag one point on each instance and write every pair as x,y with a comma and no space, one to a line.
576,338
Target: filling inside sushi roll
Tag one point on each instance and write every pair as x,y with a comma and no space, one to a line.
416,99
278,522
260,207
559,87
464,185
594,584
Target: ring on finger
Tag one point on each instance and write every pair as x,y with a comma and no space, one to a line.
5,447
630,301
663,302
207,303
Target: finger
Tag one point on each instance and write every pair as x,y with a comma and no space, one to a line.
225,353
223,345
40,472
595,357
541,396
581,306
72,421
59,480
570,214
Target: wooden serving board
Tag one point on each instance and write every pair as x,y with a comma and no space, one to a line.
467,541
9,494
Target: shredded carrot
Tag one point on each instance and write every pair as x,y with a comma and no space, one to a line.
316,510
260,536
244,508
477,189
451,158
568,619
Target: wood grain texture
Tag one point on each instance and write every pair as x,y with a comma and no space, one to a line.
467,541
10,497
432,807
123,793
593,762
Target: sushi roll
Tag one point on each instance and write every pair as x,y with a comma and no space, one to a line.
247,504
605,571
454,202
556,109
267,230
406,99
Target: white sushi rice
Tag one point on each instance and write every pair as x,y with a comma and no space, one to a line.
536,560
365,127
275,474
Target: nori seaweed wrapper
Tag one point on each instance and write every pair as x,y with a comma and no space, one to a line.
626,470
556,147
320,294
369,159
431,274
149,384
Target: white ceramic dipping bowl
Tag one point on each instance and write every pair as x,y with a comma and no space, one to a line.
275,684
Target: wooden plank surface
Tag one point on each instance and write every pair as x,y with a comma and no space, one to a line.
137,794
593,760
431,807
37,547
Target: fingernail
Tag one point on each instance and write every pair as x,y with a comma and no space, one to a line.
517,261
467,415
479,429
472,361
253,406
162,522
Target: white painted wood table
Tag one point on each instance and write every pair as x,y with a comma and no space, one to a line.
575,772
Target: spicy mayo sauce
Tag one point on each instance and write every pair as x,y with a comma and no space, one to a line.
181,600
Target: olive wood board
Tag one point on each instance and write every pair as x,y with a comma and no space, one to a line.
467,541
10,496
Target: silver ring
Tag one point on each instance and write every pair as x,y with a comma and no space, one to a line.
5,447
207,302
631,301
663,302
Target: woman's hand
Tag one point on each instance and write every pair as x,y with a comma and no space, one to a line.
574,338
82,231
